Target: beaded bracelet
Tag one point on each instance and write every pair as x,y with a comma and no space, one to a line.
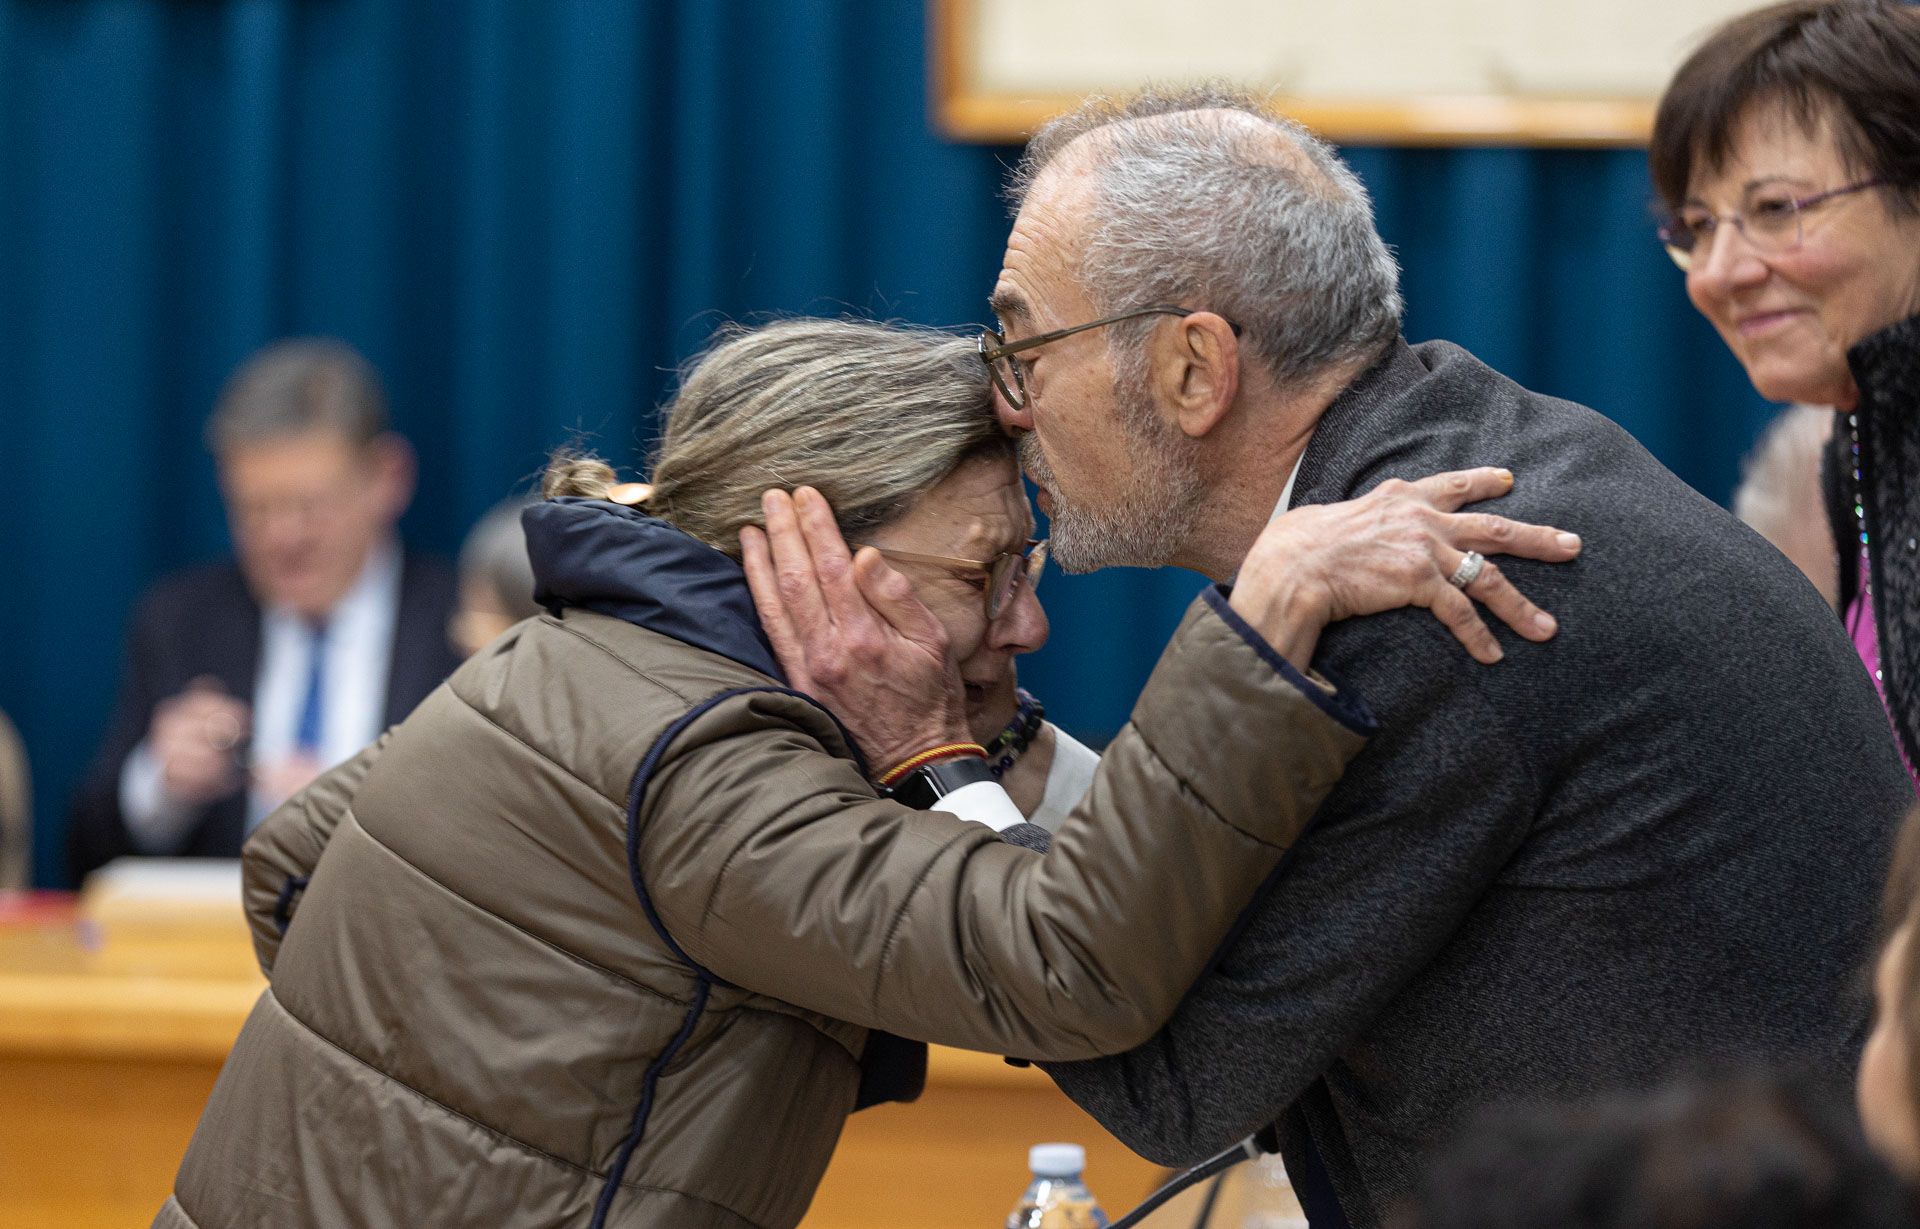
1019,734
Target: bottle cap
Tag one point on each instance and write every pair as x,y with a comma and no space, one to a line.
1057,1160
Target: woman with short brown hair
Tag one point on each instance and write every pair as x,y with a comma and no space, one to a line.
1786,152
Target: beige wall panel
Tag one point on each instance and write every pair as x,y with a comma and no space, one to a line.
1393,71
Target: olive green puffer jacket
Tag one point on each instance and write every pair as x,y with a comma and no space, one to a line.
596,936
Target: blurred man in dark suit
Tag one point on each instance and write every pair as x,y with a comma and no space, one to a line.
245,679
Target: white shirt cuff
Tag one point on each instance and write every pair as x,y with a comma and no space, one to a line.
983,802
155,822
1068,780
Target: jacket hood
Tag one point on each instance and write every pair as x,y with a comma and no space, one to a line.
610,559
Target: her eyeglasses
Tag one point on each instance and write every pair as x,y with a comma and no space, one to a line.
1004,571
1770,224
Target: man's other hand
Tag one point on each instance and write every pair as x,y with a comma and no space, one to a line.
195,737
850,632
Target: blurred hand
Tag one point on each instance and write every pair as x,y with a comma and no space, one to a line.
1395,546
280,781
196,737
850,632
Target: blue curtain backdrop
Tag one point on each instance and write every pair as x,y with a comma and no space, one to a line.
527,213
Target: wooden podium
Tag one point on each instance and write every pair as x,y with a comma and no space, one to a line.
115,1018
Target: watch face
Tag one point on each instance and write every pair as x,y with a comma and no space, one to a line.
913,790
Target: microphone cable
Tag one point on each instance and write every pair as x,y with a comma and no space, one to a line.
1219,1163
1205,1216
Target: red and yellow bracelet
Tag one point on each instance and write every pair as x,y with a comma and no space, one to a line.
945,751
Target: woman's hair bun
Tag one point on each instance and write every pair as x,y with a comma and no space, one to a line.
577,473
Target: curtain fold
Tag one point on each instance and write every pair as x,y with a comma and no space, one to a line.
528,214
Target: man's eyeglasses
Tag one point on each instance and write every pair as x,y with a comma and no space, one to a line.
997,352
1770,224
1004,571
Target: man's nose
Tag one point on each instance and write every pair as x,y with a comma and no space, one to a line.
1013,420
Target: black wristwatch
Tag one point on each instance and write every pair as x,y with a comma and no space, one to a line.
929,783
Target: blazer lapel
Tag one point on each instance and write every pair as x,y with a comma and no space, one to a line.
422,656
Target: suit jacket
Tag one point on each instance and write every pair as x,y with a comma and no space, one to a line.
205,621
1654,842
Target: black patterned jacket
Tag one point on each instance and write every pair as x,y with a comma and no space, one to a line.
1886,366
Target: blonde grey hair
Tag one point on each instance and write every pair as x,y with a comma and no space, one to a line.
1261,222
871,415
298,385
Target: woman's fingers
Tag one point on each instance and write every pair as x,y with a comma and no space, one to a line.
1400,544
1457,615
1489,535
1457,488
1484,532
1496,535
1453,605
1493,590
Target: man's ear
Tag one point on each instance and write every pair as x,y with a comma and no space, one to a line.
394,471
1196,371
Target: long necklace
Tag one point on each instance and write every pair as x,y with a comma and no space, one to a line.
1862,607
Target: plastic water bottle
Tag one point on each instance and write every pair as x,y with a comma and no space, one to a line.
1057,1198
1270,1201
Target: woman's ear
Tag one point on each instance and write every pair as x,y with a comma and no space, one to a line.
1196,371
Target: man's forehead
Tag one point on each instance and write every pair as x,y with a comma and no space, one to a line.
316,451
1009,303
1037,275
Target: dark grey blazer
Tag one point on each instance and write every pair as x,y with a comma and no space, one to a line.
203,621
1653,843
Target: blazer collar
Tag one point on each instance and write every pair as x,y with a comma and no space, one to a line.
1346,439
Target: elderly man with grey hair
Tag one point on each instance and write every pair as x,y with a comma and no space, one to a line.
244,679
1650,842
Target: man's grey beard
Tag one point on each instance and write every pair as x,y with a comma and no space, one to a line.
1145,527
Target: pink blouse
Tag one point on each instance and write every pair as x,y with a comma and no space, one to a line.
1866,642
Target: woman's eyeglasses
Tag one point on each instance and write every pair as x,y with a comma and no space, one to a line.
1004,571
1770,224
